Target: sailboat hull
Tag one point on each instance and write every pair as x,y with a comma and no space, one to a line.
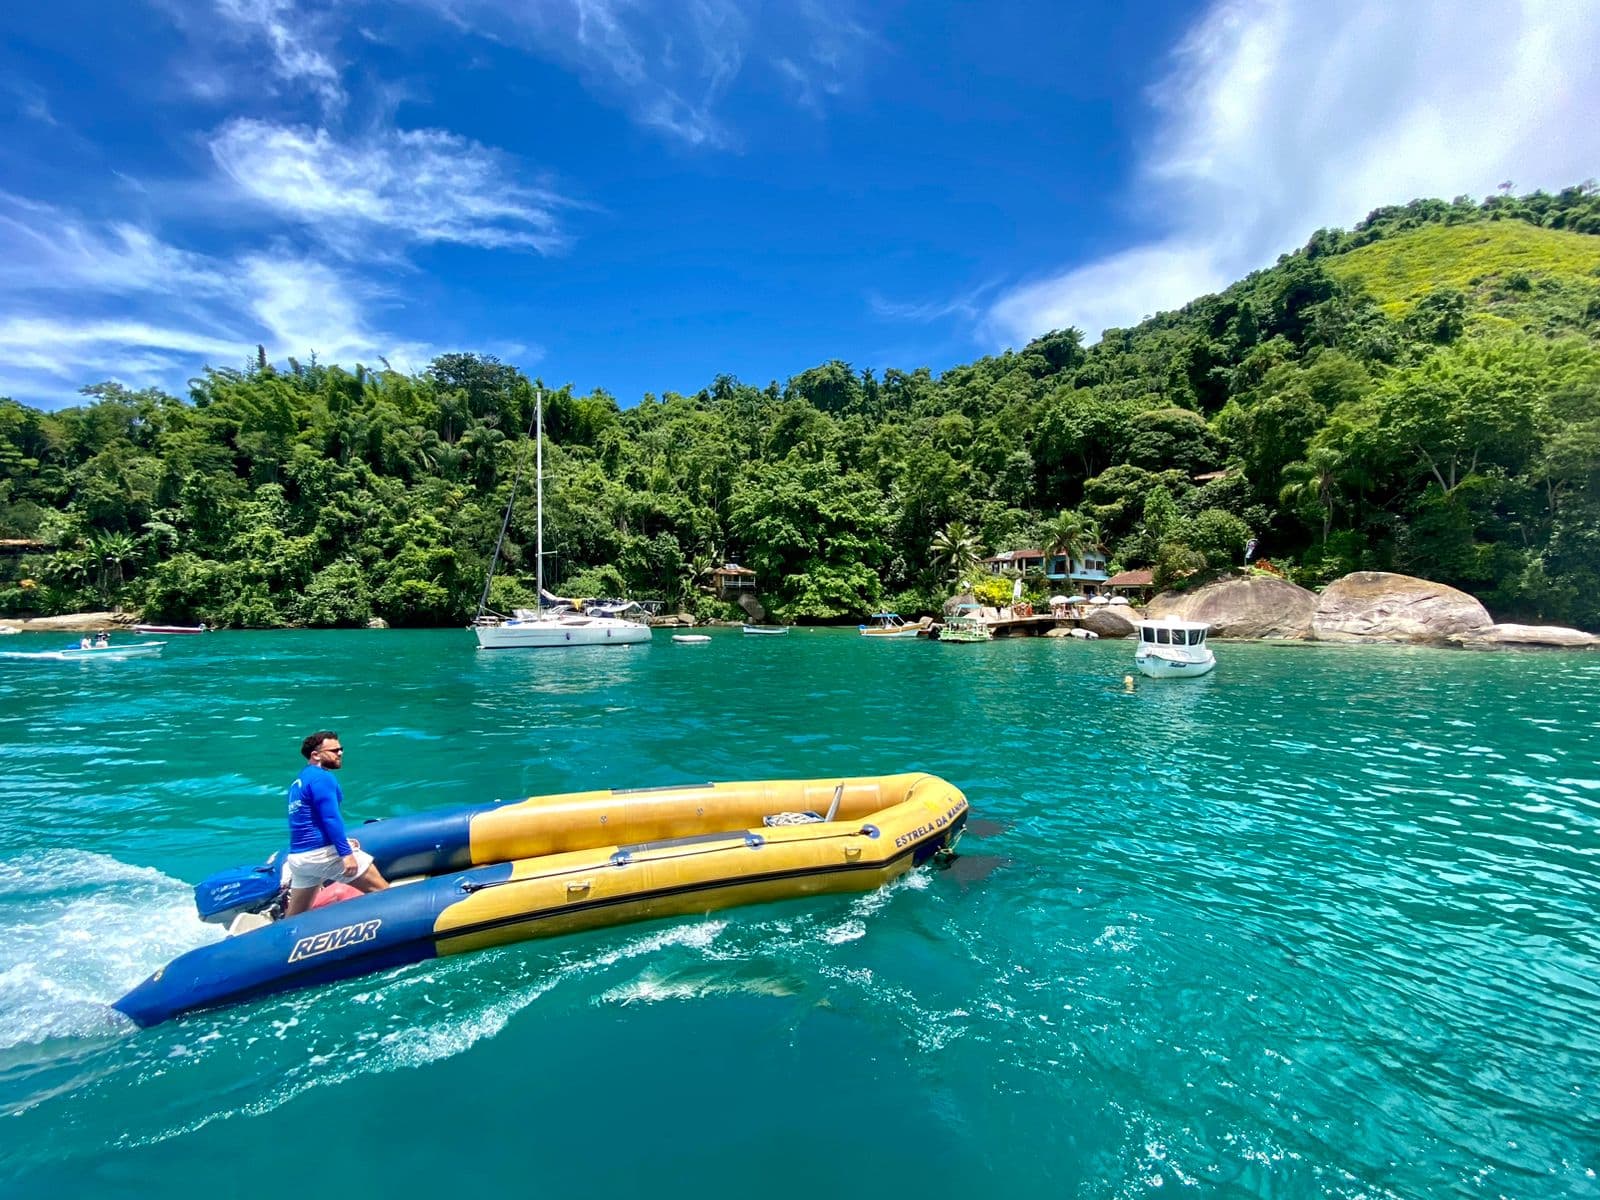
553,633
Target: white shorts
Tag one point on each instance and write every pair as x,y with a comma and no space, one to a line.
313,868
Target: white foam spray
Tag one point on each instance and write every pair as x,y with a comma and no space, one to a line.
80,930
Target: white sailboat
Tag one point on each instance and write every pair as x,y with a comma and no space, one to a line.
528,628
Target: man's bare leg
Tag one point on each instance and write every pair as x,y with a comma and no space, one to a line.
369,881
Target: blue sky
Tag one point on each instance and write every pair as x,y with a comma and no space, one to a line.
639,196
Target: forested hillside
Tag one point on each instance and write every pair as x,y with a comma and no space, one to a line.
1421,394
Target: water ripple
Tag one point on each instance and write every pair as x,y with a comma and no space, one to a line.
1319,924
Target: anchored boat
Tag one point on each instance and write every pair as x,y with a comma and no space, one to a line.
492,874
888,625
965,625
612,623
1172,648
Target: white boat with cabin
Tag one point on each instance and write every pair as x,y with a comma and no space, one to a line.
1171,649
543,628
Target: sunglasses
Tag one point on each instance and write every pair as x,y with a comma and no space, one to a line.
331,749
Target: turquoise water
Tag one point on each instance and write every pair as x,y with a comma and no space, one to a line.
1323,923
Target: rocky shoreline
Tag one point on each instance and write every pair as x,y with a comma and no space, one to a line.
87,622
1365,607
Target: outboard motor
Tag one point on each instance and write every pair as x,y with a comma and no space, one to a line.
226,894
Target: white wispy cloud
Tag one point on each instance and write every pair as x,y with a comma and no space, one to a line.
670,65
309,305
28,99
71,350
48,250
666,64
830,53
969,306
423,185
86,302
290,32
315,259
1281,116
232,40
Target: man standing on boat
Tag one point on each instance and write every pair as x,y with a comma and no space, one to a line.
319,850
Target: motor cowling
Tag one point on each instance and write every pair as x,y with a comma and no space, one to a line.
225,895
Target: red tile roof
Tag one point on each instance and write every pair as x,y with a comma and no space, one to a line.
1133,579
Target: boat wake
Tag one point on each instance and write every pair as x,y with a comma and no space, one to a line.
88,925
81,928
415,1016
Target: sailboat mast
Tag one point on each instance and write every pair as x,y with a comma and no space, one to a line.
538,459
505,524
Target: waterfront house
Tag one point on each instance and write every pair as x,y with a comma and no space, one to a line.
1086,574
1137,585
730,581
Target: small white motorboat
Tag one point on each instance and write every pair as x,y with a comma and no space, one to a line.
91,653
767,630
200,628
691,639
1087,635
1171,649
888,625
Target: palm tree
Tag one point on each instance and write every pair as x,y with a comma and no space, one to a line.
1314,483
956,548
695,571
115,550
1071,534
70,565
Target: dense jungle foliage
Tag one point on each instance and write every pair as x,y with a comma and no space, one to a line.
1421,394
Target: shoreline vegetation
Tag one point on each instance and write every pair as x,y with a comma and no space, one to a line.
1418,396
1362,608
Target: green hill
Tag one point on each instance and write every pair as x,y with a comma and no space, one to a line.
1508,269
1420,393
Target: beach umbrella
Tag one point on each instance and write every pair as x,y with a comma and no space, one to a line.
1119,600
1059,600
1099,600
1076,600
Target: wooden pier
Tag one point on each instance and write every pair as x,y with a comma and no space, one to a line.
1037,625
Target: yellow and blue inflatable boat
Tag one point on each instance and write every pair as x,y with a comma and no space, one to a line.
504,872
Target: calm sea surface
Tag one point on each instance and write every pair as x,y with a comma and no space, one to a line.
1323,923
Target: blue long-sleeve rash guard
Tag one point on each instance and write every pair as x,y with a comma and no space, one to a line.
314,817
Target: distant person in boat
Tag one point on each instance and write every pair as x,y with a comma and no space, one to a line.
102,640
319,850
